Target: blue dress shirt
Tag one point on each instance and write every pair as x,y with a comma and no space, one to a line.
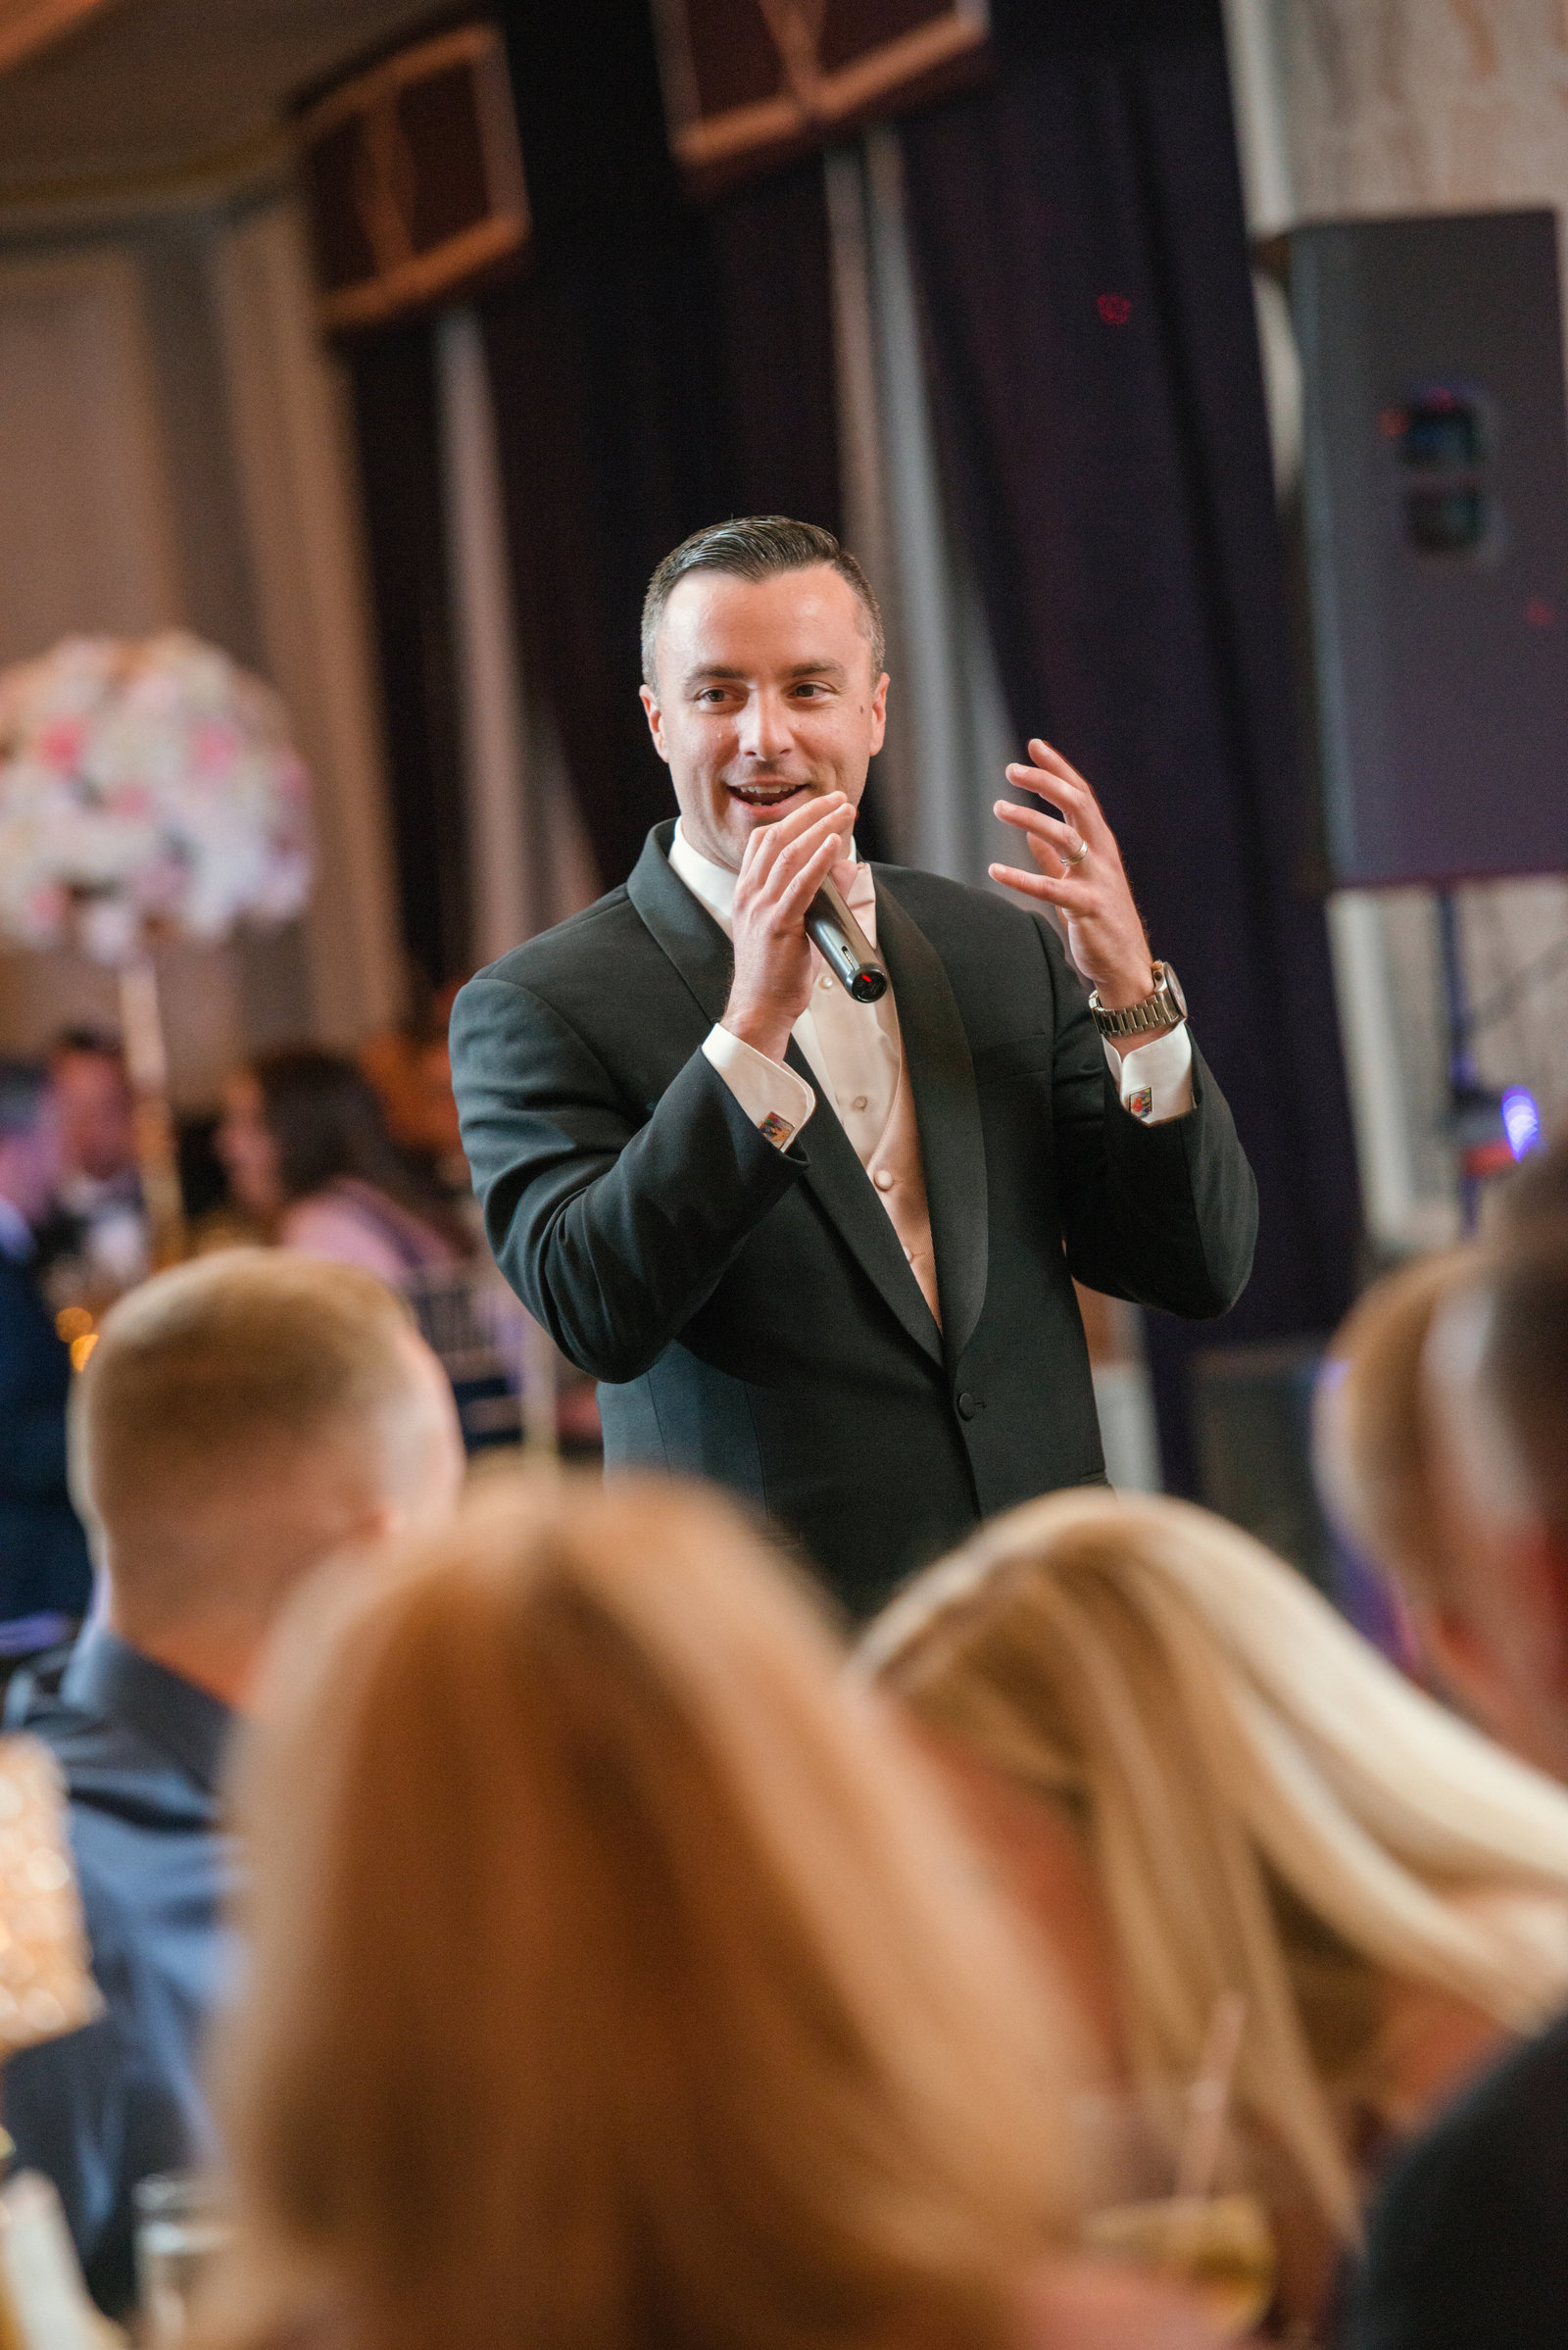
141,1751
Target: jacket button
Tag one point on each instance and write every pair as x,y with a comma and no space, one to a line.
969,1405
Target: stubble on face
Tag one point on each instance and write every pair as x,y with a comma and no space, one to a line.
764,694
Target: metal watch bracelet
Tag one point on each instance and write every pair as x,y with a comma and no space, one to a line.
1163,1008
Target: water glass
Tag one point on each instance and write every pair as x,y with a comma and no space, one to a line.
180,2224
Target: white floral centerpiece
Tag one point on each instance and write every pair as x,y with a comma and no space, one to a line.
145,787
148,789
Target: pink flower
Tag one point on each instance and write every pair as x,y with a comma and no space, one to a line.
59,744
213,748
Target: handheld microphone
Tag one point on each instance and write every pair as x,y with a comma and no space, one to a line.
844,946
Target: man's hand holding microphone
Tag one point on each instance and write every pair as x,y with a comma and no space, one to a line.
783,868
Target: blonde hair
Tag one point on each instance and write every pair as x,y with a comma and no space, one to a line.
202,1370
1371,1435
616,1975
1270,1807
1495,1381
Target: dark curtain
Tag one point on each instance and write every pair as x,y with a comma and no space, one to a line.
1079,242
392,378
660,365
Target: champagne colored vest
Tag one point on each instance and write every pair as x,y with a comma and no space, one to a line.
895,1169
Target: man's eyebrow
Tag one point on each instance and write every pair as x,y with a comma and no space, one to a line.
799,668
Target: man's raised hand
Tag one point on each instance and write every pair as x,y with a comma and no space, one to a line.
1079,869
784,866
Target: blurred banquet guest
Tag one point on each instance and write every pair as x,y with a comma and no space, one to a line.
617,1977
1372,1443
305,1141
1534,1195
1468,2247
240,1417
98,1228
45,1577
411,1069
1200,1780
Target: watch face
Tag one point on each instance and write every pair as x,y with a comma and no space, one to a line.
1173,988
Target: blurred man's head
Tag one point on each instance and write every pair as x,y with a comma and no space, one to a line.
97,1130
240,1418
30,1138
1496,1381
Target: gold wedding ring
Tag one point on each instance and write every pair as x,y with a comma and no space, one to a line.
1075,856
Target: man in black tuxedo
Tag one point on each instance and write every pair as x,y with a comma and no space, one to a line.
857,1310
1468,2246
45,1577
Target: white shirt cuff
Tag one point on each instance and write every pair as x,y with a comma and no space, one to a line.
1156,1080
776,1101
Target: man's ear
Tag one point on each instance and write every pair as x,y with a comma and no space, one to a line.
879,712
656,719
1463,1664
1550,1566
1503,1649
1536,1568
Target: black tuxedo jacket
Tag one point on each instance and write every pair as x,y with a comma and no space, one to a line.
43,1550
748,1310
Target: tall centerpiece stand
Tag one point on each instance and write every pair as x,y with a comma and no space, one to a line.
149,792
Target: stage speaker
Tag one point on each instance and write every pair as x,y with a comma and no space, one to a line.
750,84
1435,491
414,180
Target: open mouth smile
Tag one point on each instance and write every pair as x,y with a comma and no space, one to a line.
764,794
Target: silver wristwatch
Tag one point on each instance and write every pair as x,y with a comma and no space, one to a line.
1162,1010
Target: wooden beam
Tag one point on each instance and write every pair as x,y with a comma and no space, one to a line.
29,25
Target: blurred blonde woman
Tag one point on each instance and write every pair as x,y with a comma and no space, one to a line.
1199,1780
619,1980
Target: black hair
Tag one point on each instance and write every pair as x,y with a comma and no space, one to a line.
101,1043
757,546
326,1120
23,1086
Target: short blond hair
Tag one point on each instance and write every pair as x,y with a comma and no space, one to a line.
207,1376
1496,1381
1372,1440
617,1974
1270,1807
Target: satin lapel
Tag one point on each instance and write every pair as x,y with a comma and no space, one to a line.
843,1190
947,1112
684,928
701,953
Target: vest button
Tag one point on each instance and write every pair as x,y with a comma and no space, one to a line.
883,1180
969,1405
858,1102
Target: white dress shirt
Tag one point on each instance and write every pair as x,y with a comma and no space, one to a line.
855,1051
